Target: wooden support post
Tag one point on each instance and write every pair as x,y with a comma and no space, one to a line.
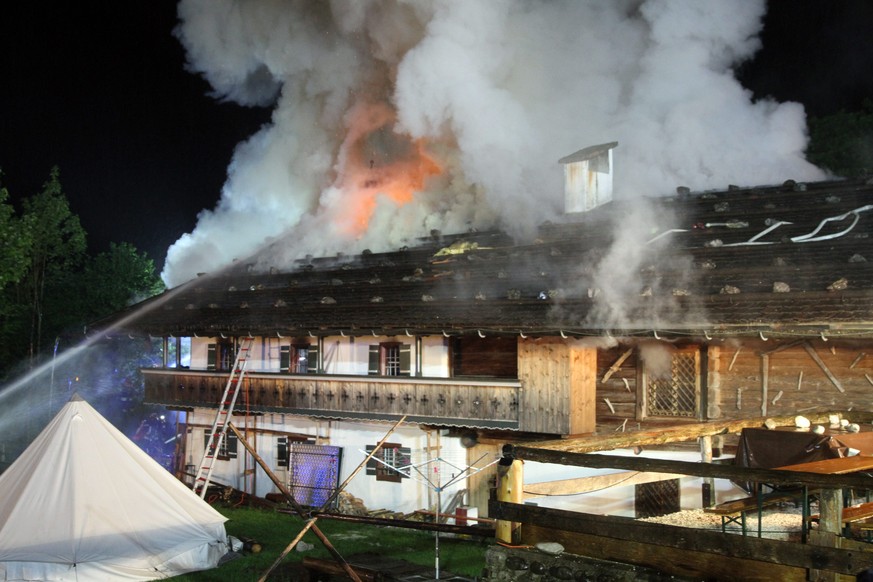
708,485
830,525
765,382
310,524
510,489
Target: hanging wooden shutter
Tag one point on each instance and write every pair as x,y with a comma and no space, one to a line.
312,360
405,359
373,367
210,357
282,452
284,358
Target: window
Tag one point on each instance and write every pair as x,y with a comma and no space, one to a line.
228,447
220,356
656,498
390,359
672,390
391,457
298,359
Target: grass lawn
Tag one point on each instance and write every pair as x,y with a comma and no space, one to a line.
274,531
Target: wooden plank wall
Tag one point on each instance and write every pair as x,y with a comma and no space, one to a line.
795,382
558,388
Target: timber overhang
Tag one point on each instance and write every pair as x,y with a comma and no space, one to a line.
468,403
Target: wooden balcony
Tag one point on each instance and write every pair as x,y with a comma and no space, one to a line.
439,401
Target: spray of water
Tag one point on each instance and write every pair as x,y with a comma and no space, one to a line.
29,401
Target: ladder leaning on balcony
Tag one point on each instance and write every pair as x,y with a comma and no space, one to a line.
222,418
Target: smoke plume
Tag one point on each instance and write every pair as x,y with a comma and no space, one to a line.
396,117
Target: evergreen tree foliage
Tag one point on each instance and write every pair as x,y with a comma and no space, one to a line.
842,143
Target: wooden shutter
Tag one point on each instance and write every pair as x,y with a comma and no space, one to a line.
282,452
373,367
405,359
210,357
284,358
312,359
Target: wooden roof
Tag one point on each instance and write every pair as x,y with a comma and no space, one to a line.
787,260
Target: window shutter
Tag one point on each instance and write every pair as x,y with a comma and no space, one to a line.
284,358
231,441
282,452
312,360
210,357
373,367
405,359
372,463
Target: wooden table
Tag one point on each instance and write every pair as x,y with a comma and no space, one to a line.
837,466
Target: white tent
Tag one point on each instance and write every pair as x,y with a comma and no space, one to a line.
83,502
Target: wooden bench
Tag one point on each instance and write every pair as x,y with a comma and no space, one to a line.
735,511
861,515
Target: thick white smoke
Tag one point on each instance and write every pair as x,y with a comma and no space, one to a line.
493,92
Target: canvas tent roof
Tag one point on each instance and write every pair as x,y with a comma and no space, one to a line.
83,502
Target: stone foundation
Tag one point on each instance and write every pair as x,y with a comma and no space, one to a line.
531,565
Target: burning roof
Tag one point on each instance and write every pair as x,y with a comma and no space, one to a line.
789,259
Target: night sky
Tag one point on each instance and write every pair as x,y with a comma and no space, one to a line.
99,89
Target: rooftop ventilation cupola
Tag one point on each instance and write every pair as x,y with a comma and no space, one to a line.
588,177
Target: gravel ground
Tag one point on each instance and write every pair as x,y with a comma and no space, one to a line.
780,524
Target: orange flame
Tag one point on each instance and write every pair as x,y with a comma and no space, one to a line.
378,161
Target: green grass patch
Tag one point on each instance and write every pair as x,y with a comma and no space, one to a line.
275,530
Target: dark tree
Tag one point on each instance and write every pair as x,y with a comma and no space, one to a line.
842,143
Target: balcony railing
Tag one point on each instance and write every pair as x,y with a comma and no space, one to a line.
452,402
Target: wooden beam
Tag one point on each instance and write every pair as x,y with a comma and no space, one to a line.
765,382
486,530
812,354
637,532
718,471
614,368
310,524
679,562
594,483
682,432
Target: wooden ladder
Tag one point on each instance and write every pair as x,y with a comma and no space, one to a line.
222,418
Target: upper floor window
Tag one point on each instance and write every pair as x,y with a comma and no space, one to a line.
298,359
221,355
390,359
672,388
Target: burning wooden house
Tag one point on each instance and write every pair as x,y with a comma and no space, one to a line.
632,316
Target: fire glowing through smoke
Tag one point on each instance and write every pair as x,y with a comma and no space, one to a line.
497,92
378,161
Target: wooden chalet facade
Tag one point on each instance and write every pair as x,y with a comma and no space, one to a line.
699,307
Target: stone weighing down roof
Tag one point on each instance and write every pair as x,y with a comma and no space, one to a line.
787,260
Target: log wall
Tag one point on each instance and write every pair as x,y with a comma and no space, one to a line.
757,378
